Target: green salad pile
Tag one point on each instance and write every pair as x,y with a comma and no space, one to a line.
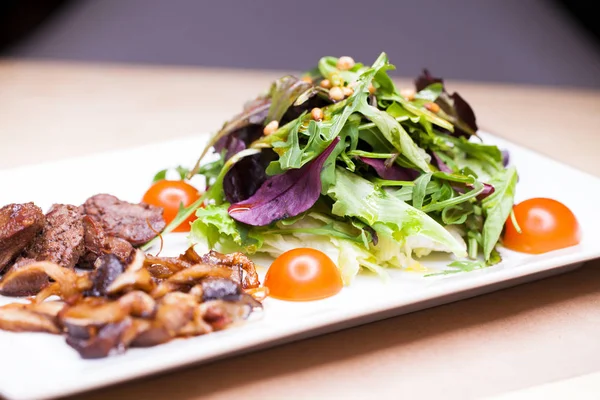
343,161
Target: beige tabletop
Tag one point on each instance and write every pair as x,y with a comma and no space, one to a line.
489,345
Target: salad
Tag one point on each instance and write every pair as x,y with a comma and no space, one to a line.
343,161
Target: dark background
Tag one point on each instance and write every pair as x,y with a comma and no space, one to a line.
548,42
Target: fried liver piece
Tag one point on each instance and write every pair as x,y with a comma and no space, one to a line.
135,223
19,224
61,240
96,244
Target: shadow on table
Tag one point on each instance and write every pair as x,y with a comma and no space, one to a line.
343,346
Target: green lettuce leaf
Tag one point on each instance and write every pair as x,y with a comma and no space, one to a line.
497,208
216,228
357,197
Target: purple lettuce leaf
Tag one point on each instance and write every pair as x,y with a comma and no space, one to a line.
454,105
246,126
284,92
232,144
246,176
505,157
393,172
442,166
285,195
487,189
426,79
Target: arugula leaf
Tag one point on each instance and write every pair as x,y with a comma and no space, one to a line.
395,134
292,157
431,92
461,266
401,114
484,152
211,170
328,67
182,171
421,112
160,175
478,188
497,208
420,189
457,215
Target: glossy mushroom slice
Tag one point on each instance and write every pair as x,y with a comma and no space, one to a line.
174,312
221,314
189,277
19,317
237,262
108,269
111,339
86,317
24,280
164,267
135,277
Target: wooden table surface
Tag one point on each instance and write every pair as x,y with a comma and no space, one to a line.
489,345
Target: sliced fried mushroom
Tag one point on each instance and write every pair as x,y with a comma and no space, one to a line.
221,314
259,293
166,287
138,303
135,277
108,268
52,289
17,281
251,278
236,262
149,301
111,339
132,280
22,281
164,267
197,325
84,318
220,289
191,256
197,292
49,308
198,272
174,311
219,259
19,319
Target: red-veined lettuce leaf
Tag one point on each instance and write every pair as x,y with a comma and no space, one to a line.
285,195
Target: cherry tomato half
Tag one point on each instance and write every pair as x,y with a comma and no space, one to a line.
546,225
169,195
303,274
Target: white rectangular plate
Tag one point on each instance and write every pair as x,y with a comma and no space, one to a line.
57,370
